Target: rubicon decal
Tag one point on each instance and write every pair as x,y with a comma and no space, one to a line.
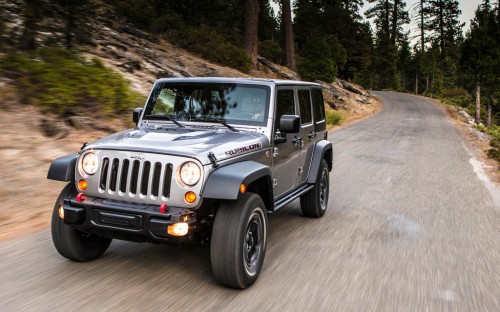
244,149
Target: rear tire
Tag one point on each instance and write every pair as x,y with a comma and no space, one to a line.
71,243
315,202
239,238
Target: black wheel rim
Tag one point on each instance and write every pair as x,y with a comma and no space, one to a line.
253,243
323,190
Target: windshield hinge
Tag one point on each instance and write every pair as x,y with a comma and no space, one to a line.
213,160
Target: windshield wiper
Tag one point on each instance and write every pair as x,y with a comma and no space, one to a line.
165,117
206,118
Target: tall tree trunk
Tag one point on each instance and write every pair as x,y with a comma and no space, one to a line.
477,117
70,27
426,84
31,16
441,31
286,12
251,29
416,82
394,29
386,26
490,111
422,33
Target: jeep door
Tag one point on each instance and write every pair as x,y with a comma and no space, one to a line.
307,133
285,155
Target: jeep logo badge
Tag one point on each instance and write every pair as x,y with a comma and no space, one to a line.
137,156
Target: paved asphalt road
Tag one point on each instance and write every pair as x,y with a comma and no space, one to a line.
410,227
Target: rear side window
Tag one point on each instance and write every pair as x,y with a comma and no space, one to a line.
284,105
318,109
305,107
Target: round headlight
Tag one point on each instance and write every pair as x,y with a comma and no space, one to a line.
190,173
90,163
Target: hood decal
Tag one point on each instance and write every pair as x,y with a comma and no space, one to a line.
243,149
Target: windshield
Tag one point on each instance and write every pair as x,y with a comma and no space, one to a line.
209,102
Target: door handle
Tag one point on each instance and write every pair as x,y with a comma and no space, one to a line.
297,140
312,134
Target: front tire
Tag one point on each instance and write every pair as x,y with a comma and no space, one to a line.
239,238
315,202
71,243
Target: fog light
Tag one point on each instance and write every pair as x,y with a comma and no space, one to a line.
190,197
60,210
178,229
82,185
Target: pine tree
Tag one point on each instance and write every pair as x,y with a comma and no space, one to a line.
286,16
75,20
389,17
445,31
31,17
251,30
481,53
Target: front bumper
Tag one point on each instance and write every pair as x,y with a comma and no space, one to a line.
125,220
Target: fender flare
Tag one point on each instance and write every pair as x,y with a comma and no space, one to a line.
63,168
322,150
224,182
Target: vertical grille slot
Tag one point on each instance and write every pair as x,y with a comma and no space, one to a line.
156,179
123,176
114,174
134,177
145,178
167,178
104,174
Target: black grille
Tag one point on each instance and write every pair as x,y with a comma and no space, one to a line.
132,177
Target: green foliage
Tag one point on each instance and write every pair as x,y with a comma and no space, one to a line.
214,46
333,19
193,26
456,96
334,118
494,130
494,151
321,57
61,82
271,50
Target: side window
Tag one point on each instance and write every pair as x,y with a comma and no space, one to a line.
305,107
284,106
318,105
318,110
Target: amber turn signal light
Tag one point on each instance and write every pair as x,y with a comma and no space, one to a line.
243,188
82,185
190,197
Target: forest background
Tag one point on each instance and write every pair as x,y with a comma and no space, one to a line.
378,44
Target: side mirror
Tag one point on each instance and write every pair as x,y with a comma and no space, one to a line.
290,124
136,115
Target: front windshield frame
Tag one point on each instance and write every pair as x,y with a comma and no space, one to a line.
247,98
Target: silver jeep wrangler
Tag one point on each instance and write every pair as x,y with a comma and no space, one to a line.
208,160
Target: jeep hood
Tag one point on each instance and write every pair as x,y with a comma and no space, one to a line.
189,142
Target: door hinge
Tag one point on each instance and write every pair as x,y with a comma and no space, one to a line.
275,182
300,171
275,152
